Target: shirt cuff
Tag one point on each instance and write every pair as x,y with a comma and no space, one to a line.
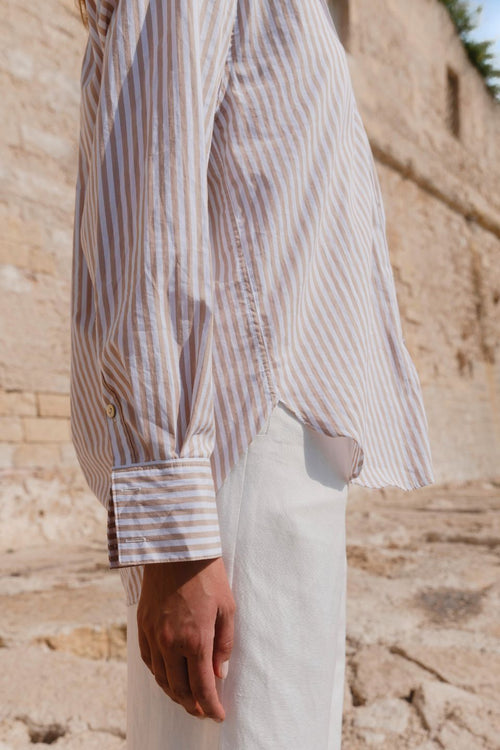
163,511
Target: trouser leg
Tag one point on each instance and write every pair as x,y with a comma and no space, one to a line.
282,518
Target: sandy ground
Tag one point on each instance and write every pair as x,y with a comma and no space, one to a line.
423,642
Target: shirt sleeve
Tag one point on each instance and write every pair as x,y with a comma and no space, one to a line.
145,232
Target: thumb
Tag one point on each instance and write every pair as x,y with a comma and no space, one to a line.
223,642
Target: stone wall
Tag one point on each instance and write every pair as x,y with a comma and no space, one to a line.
441,200
42,45
442,207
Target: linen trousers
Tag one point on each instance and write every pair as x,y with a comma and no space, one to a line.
282,521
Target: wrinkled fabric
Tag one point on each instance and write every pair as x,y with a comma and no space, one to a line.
230,252
282,516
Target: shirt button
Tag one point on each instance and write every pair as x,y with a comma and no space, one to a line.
111,410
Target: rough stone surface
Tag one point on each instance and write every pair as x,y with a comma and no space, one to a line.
423,639
46,430
53,405
47,505
385,715
20,403
442,211
62,655
446,710
378,673
46,686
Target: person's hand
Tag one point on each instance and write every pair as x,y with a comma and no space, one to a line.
185,619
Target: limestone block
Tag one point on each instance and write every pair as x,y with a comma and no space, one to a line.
33,455
19,64
439,703
467,668
20,235
40,140
68,455
6,455
34,350
46,505
92,642
460,738
53,405
386,714
380,674
11,430
17,403
46,430
43,261
11,254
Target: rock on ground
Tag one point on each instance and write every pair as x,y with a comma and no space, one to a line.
423,634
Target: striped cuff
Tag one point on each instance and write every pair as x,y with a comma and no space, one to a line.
163,512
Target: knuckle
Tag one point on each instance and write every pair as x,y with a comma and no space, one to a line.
187,640
191,642
166,640
228,608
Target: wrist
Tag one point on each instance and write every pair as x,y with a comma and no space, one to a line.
176,570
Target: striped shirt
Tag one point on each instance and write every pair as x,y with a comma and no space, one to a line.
229,253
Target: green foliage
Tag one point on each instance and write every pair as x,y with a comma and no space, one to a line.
480,54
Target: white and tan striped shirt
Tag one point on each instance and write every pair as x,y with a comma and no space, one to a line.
229,252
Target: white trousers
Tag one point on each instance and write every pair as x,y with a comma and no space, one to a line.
282,519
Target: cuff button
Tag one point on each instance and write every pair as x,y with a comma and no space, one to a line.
111,411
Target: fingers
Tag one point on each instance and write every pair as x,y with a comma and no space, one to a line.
223,639
170,672
173,681
202,681
155,665
178,680
158,670
185,622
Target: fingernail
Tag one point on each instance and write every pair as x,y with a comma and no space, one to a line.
224,669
